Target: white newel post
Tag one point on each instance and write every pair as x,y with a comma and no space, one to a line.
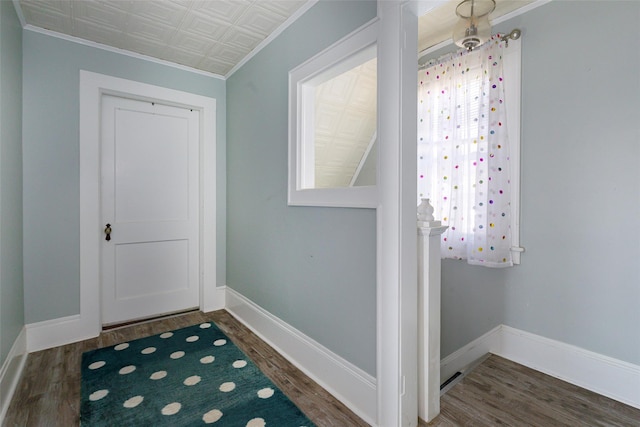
429,232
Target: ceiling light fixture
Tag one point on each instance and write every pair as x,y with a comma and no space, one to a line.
473,28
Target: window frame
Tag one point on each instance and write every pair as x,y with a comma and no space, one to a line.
302,81
512,67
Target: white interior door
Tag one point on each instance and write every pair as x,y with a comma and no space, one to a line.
150,200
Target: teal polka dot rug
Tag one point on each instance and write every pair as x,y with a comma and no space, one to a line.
188,377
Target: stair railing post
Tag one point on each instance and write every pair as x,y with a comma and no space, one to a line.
429,284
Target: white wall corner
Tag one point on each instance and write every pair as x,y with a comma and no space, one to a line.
11,371
348,383
601,374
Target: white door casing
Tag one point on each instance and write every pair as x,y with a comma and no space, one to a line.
87,323
149,198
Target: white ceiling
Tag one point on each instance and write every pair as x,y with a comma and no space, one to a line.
208,35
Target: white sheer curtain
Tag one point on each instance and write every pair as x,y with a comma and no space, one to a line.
463,153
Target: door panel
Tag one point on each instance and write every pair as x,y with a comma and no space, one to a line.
151,159
139,260
149,195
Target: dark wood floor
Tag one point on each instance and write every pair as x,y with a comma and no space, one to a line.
48,393
497,392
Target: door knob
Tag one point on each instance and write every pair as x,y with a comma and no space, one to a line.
107,231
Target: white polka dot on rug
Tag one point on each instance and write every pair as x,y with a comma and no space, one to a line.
177,354
97,365
192,380
265,393
121,347
166,335
148,350
256,422
158,375
192,338
133,402
212,416
227,387
219,342
205,326
207,359
97,395
127,370
171,408
239,364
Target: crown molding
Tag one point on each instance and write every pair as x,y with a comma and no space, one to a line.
16,6
125,52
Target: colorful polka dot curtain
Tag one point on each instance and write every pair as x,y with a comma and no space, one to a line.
463,153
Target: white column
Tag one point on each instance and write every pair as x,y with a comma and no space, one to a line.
429,261
397,317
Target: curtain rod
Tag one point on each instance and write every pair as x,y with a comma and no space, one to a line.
514,34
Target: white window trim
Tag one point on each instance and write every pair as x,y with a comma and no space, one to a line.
301,153
513,86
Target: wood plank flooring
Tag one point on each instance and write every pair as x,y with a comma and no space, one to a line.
48,393
497,392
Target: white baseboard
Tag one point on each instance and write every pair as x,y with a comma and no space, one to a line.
220,299
213,300
348,383
11,371
56,332
601,374
459,359
70,329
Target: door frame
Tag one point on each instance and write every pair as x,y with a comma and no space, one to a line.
92,87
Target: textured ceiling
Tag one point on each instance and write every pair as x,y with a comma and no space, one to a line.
345,124
209,35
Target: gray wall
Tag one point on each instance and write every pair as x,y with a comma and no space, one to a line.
51,161
472,303
11,278
579,281
314,268
368,173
